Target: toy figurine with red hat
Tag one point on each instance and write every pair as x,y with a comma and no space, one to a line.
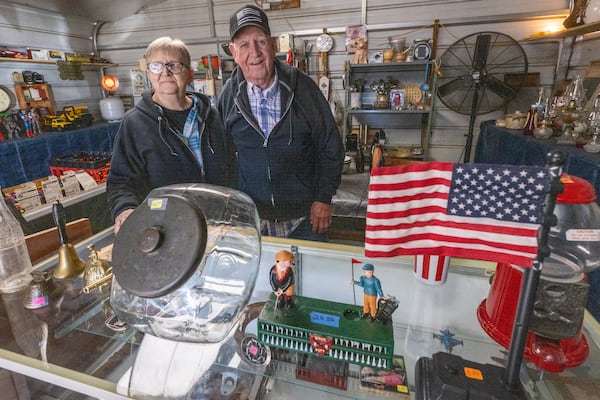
281,278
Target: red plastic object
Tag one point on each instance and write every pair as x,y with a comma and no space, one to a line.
99,174
577,191
496,316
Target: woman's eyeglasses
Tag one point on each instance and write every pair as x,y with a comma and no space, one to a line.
174,67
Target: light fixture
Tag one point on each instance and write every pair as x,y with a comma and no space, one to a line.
111,107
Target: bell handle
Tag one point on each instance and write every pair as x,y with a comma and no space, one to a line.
58,214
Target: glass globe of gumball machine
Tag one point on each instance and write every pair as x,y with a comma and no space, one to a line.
594,122
555,340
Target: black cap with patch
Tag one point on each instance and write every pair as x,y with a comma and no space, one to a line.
248,15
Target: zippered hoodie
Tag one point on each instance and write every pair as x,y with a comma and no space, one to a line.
300,162
148,153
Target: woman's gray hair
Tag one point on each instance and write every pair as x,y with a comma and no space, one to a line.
170,46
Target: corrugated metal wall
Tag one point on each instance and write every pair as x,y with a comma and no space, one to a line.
202,24
26,27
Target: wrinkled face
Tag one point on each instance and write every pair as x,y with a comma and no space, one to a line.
253,52
168,83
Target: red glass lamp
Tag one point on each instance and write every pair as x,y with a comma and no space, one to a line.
111,107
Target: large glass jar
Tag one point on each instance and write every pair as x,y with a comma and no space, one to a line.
575,240
185,262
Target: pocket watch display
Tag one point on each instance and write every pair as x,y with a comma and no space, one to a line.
5,99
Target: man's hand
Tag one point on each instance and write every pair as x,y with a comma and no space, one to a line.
121,218
320,217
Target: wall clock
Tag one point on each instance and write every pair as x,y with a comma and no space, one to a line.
324,42
5,99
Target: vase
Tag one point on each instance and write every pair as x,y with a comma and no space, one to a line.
355,100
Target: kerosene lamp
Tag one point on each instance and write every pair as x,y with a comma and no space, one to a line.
555,340
571,114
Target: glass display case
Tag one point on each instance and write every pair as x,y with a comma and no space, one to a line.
71,350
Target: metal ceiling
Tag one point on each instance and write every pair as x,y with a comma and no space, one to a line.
94,10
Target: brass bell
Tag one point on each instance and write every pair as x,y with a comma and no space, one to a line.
96,270
41,290
69,263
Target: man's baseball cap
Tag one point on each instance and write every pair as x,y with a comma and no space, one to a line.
368,267
248,15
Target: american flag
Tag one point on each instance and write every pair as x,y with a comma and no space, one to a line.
476,211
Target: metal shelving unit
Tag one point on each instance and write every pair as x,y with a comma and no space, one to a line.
411,75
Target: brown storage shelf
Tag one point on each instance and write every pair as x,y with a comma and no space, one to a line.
26,102
27,60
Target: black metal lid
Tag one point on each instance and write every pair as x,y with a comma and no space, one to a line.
160,246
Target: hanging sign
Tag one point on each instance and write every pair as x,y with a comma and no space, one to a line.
70,70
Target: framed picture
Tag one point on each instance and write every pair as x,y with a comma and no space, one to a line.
353,32
138,81
375,57
397,99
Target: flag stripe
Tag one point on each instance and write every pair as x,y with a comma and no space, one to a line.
467,210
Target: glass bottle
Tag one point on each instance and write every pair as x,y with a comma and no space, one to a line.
531,121
575,93
15,264
360,160
540,104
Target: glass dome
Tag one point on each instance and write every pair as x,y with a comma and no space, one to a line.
574,240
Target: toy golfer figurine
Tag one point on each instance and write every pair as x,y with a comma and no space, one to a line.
372,289
281,277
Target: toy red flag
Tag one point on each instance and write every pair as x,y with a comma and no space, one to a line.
476,211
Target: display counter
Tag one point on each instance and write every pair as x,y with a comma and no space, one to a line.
67,350
24,160
497,145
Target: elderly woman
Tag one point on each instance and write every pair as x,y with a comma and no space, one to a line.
171,136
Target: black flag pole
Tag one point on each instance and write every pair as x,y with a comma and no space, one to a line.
531,276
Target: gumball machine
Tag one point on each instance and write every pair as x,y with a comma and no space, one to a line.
555,340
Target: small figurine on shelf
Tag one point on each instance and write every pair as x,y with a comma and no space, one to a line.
281,278
26,123
12,126
35,121
372,288
360,51
377,157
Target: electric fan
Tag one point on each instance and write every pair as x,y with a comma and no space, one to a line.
474,81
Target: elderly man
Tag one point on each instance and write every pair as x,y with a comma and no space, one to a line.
290,154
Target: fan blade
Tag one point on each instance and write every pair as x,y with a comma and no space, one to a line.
482,49
451,86
500,88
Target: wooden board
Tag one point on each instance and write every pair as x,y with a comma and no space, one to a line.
46,243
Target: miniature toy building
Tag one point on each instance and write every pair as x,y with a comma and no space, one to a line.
327,329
